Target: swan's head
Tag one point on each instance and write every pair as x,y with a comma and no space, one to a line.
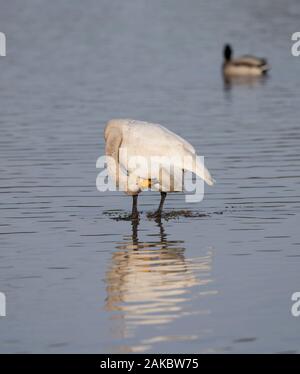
227,52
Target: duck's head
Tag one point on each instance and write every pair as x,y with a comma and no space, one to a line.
227,52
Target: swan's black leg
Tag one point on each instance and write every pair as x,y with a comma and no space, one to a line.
161,204
135,212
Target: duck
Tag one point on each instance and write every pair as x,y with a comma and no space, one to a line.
244,66
126,138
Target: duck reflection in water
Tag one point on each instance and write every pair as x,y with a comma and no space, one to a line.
250,82
150,283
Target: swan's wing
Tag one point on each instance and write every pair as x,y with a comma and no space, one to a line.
155,138
153,141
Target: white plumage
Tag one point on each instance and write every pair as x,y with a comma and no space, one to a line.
168,153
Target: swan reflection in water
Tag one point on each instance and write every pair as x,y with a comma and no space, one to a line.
150,283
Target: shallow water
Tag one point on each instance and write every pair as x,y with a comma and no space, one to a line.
219,279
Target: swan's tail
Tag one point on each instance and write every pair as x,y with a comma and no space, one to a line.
193,163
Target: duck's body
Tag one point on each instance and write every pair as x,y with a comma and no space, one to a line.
244,66
129,139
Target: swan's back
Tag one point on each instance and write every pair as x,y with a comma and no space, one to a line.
143,138
149,140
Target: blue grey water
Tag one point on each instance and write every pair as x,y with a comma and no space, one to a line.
76,279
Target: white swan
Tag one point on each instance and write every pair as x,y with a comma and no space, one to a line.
126,139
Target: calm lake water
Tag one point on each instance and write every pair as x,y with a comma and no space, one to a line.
76,279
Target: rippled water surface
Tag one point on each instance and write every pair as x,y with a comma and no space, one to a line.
76,278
